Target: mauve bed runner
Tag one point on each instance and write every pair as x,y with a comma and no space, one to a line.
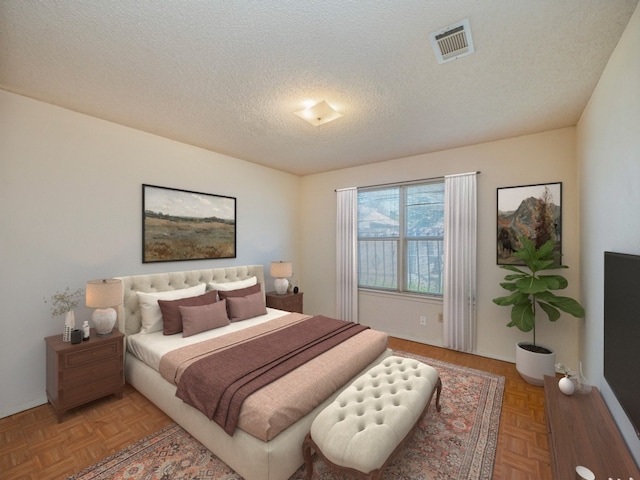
218,384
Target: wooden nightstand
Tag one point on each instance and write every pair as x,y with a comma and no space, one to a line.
291,302
80,373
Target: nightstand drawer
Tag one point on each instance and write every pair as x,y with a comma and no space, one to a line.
91,354
81,394
291,302
91,372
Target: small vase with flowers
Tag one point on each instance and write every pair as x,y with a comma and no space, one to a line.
65,303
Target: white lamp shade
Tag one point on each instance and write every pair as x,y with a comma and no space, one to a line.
104,293
281,269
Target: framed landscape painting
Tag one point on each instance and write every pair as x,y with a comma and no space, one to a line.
184,225
532,211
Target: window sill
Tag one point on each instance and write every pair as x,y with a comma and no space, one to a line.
432,299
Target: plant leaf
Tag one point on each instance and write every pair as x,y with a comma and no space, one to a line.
555,282
513,269
552,312
522,316
566,304
542,264
516,276
531,285
513,299
570,306
546,250
509,286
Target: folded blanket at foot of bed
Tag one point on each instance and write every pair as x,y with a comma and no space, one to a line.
218,384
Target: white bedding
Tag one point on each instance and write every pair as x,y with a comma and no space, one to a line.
150,347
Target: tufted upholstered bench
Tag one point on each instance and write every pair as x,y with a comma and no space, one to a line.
370,421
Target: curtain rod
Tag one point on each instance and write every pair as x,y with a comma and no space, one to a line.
478,172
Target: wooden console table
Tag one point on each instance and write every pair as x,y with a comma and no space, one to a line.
582,432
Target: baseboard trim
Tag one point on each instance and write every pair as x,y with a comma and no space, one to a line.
480,354
25,406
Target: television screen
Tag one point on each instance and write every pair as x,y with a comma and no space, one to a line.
622,331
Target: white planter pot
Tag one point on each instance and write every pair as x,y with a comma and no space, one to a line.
533,366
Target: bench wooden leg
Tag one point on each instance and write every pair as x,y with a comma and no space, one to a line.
438,391
308,458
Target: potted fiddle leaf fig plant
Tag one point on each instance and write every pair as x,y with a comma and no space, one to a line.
529,290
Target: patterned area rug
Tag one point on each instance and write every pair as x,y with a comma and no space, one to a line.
459,442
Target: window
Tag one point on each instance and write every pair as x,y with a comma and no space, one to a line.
400,238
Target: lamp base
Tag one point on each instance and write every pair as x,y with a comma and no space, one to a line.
103,320
281,285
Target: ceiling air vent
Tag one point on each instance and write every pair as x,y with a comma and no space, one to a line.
452,42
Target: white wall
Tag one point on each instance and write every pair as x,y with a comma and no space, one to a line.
71,211
608,137
542,158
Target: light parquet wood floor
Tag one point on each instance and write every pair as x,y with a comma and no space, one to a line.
33,445
523,447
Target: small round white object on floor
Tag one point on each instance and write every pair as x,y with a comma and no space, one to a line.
584,473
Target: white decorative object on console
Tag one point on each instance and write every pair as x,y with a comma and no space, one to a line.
281,271
69,325
103,295
566,386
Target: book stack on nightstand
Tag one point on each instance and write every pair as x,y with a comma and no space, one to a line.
80,373
290,302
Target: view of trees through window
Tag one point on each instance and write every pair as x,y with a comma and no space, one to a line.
400,238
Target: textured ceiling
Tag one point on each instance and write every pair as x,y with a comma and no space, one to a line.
228,75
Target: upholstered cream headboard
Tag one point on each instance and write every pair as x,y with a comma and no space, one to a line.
129,318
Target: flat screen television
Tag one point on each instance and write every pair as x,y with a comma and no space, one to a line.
622,331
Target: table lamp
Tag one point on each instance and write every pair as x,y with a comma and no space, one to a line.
103,295
281,271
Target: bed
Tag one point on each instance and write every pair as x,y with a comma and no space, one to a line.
268,453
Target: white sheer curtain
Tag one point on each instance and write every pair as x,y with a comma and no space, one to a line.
346,255
459,292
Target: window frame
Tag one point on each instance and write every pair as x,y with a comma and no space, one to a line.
402,241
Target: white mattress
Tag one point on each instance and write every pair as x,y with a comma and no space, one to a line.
150,347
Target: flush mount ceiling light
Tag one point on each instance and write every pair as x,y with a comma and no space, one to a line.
318,114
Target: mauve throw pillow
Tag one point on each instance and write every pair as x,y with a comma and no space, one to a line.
171,317
203,317
241,308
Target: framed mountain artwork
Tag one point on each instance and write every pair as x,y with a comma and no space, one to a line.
532,211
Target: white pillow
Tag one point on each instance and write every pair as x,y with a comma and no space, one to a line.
228,286
150,310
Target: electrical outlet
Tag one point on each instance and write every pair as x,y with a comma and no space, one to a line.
440,317
423,320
